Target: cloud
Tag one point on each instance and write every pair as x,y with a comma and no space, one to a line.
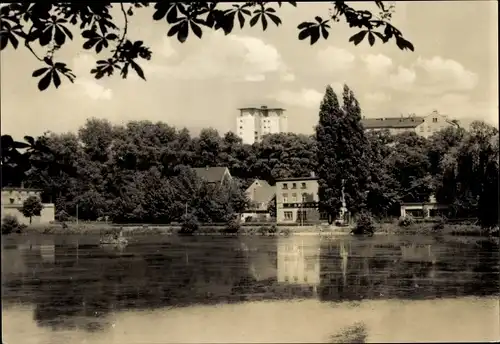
229,57
377,97
335,59
92,89
377,65
82,64
306,97
403,79
288,77
255,78
444,75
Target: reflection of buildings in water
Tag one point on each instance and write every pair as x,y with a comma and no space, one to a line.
418,253
414,253
48,251
344,251
298,260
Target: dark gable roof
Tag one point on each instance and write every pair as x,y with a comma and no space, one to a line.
210,174
392,122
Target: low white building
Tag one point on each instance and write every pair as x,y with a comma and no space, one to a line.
12,202
424,126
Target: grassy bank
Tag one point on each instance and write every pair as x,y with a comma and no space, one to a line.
131,230
429,228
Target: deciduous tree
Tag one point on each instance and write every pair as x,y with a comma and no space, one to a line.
32,207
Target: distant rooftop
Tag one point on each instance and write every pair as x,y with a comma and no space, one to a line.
262,108
210,174
392,122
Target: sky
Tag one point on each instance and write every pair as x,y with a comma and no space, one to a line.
202,83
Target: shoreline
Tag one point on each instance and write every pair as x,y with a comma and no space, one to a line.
257,230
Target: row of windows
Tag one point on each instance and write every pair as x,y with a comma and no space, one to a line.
294,197
294,186
301,215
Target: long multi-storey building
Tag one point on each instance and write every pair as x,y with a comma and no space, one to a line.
253,123
422,125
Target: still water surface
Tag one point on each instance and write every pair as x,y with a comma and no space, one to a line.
249,289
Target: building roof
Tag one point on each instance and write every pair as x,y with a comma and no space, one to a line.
296,179
392,122
261,108
262,193
14,188
211,174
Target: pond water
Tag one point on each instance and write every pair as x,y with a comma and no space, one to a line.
249,289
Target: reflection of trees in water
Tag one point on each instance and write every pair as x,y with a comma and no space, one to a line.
373,271
86,283
81,292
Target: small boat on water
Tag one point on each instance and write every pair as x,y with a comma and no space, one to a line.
115,239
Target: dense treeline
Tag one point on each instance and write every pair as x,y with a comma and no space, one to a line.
139,172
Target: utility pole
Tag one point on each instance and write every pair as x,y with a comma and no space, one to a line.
301,215
77,213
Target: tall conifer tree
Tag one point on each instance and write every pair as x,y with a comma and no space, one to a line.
327,136
342,153
354,152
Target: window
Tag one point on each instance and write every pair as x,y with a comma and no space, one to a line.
296,278
294,185
11,200
285,198
434,120
310,264
286,278
304,197
288,215
241,127
303,186
294,197
285,186
429,129
421,128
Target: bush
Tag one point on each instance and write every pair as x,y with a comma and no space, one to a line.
62,216
233,226
364,224
10,224
268,230
285,232
406,221
190,224
439,225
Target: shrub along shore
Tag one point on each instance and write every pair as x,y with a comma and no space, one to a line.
253,229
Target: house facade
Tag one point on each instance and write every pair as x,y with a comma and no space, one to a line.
423,210
12,202
297,200
260,193
424,126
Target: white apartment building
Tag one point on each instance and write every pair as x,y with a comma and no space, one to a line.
253,123
422,125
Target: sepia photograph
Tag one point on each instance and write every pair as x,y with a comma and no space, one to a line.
249,172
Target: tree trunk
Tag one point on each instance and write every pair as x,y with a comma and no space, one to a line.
30,219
